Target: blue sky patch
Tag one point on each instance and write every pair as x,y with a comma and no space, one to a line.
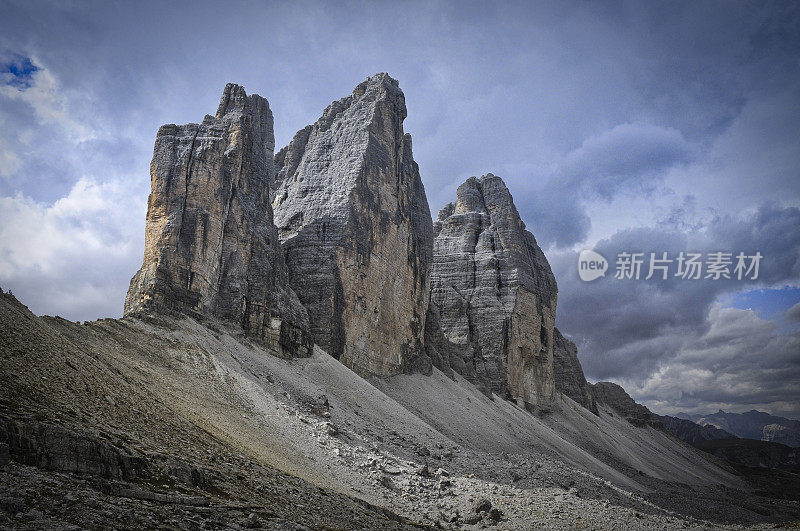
767,303
18,71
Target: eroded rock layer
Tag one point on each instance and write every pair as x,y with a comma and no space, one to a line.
356,230
211,247
495,292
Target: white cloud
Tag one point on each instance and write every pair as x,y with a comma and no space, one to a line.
740,363
9,161
76,255
50,105
33,234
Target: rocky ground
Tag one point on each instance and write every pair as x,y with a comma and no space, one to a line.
171,423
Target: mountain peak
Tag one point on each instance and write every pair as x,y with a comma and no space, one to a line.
496,294
356,229
211,248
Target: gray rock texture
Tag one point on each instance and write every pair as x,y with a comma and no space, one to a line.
356,230
440,351
781,434
495,292
568,373
210,244
56,448
618,399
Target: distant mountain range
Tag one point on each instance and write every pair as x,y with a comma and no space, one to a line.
750,425
692,432
752,439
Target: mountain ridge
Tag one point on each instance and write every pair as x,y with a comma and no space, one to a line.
304,347
751,424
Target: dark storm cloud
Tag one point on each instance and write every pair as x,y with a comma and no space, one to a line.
637,311
557,218
644,330
625,155
739,363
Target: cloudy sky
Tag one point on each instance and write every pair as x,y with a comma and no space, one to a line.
620,127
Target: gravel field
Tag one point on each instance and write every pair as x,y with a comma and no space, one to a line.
174,423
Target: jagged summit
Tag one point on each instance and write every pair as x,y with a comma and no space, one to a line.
495,292
165,412
211,247
356,229
331,241
235,100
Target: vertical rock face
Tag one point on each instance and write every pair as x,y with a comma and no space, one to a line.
495,292
356,230
210,243
568,372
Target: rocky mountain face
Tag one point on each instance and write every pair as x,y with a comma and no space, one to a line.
615,397
752,425
495,293
330,241
211,247
440,352
757,454
781,434
691,432
748,452
170,421
568,373
356,230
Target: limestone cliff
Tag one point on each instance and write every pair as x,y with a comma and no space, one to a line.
356,230
569,377
495,292
211,247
